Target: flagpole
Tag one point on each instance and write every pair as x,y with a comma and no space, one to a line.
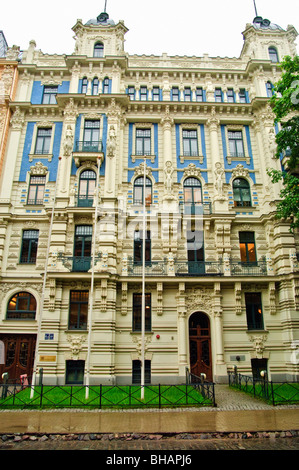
143,289
91,301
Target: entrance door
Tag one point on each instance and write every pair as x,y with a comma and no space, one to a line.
200,345
19,355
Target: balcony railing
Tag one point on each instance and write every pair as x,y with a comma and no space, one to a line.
196,208
84,201
258,268
88,147
153,268
199,268
77,264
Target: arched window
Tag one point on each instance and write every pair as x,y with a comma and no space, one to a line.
269,88
192,192
22,306
84,85
98,50
241,190
273,54
87,185
106,86
139,191
95,86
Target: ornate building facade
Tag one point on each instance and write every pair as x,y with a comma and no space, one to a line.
97,136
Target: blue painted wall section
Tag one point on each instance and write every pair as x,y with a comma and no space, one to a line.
38,91
202,166
52,166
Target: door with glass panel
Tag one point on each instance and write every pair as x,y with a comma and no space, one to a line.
19,355
200,345
82,248
87,186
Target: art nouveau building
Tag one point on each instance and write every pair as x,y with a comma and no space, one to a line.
222,278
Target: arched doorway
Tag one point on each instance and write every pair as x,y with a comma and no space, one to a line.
200,345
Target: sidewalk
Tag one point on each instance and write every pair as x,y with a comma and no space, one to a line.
235,412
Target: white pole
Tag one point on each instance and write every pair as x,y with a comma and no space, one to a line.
43,291
143,289
91,300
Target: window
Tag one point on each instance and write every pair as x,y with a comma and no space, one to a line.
175,93
195,252
218,95
91,136
43,141
192,191
131,92
95,86
136,372
98,50
139,189
36,190
269,88
87,187
235,140
82,248
190,147
137,306
143,141
230,95
273,54
247,248
199,94
49,96
156,93
78,311
241,190
242,95
84,85
74,372
143,93
254,312
22,306
29,246
138,247
106,85
188,94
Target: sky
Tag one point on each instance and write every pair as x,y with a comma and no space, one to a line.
175,27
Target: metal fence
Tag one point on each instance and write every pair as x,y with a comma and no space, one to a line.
106,396
275,393
207,389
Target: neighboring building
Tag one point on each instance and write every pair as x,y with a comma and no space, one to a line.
8,84
222,277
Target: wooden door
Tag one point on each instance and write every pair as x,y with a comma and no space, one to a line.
19,355
200,345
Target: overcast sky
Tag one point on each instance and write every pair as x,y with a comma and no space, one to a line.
185,27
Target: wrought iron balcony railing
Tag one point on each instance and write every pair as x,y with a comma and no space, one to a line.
198,268
257,268
196,208
152,268
88,147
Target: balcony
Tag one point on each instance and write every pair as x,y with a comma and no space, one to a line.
196,208
153,268
77,264
85,201
199,268
258,268
87,150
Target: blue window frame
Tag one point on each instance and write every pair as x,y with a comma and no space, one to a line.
218,95
143,93
175,94
199,94
49,94
188,94
95,86
230,95
84,85
156,93
131,92
273,54
98,50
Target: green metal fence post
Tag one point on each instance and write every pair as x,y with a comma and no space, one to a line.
159,396
41,396
100,396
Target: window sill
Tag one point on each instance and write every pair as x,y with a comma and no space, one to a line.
196,158
46,156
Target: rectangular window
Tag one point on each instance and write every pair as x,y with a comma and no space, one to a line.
137,312
131,92
175,94
242,95
236,146
143,93
74,373
247,248
230,95
29,246
91,137
36,190
78,311
199,94
188,94
257,365
49,96
138,246
43,141
136,372
218,95
254,312
156,93
143,141
82,248
190,145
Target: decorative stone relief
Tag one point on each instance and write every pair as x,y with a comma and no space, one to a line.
258,343
76,343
